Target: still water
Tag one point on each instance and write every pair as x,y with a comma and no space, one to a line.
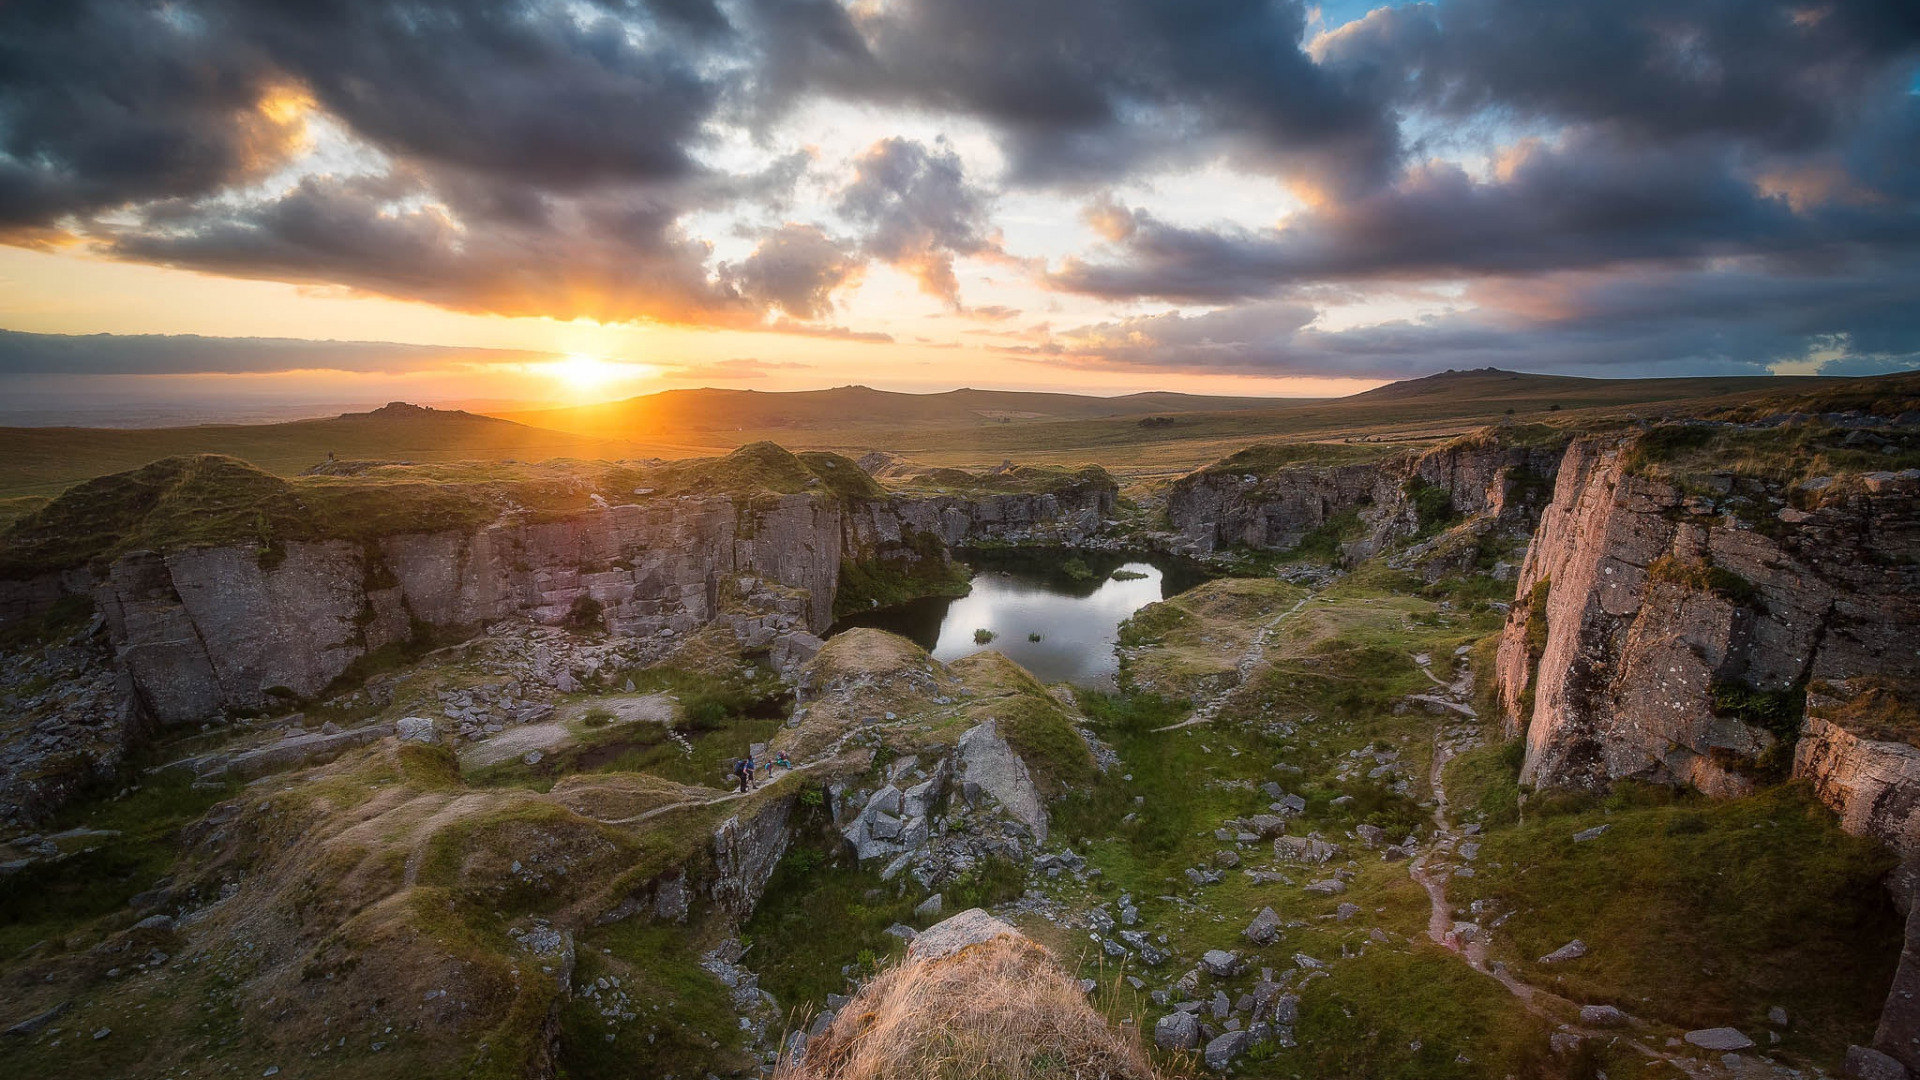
1077,620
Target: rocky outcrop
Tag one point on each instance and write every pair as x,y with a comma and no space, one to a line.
1873,785
989,766
1660,635
1240,502
746,848
941,820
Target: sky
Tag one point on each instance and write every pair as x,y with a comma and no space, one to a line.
559,200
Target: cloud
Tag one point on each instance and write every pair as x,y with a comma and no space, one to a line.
736,370
837,333
796,268
1080,91
1728,320
190,354
1780,76
919,211
1590,201
526,157
612,256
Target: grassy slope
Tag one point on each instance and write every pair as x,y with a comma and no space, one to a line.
1699,913
203,500
961,428
954,429
43,461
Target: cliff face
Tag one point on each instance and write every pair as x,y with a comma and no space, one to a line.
1659,635
1276,508
209,629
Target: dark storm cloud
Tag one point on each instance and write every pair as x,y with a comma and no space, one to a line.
102,104
545,156
562,95
1783,75
1679,322
612,256
1590,202
919,211
1081,90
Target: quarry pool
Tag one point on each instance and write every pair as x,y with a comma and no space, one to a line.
1058,618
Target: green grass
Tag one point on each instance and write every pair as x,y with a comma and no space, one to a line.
50,901
919,567
721,717
1322,543
1688,453
1483,784
1043,736
1412,1013
822,911
1702,576
685,1021
1700,913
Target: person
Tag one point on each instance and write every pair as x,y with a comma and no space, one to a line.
783,762
741,773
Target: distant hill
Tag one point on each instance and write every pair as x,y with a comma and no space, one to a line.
764,414
1142,434
44,461
1523,391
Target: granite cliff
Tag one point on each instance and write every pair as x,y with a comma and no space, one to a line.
1696,609
203,629
1279,498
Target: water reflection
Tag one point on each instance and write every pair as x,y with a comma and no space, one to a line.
1077,620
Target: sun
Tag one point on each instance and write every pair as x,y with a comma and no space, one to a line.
592,374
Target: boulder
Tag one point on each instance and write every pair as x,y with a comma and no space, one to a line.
1720,1038
1176,1031
1220,963
1865,1063
949,936
415,729
1304,849
1264,929
1221,1051
988,763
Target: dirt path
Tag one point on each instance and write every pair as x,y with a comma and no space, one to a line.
1250,661
1472,947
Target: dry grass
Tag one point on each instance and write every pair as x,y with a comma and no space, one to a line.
1002,1009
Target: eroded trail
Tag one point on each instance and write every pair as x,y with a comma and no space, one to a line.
1469,941
1250,662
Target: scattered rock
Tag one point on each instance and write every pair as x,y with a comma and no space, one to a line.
1264,929
35,1023
1594,833
1572,950
1177,1031
415,729
1220,963
1221,1051
1865,1063
1720,1038
1602,1016
929,907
